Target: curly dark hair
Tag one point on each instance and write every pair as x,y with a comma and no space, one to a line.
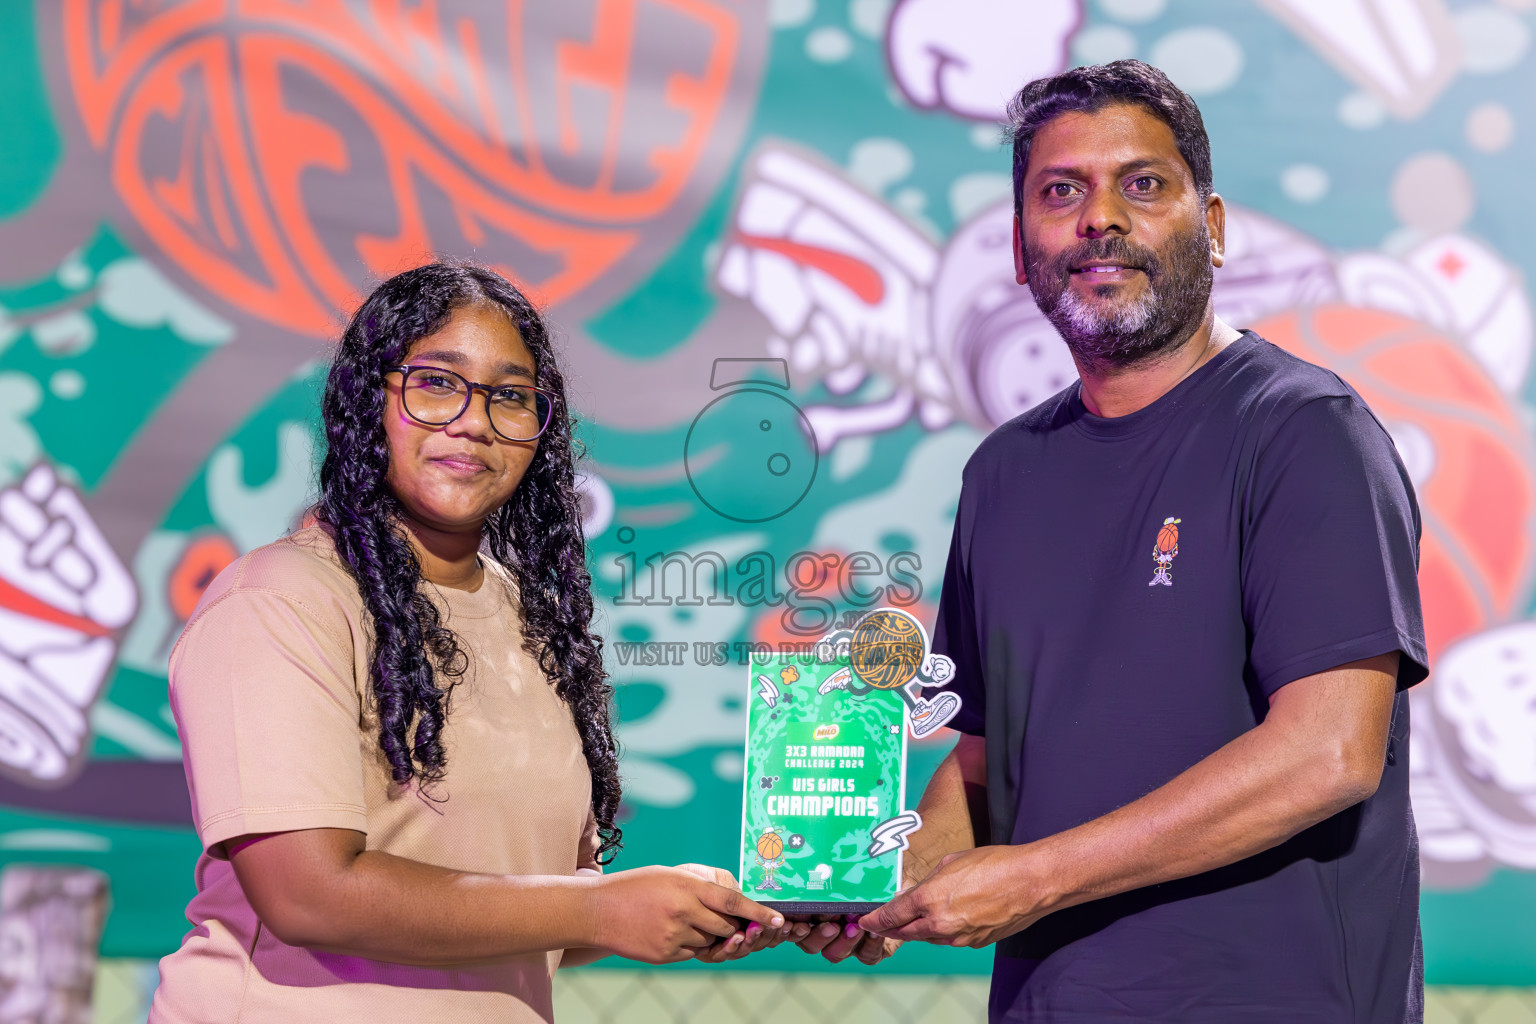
1091,89
536,535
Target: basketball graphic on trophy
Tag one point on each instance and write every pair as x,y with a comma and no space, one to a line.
770,854
888,650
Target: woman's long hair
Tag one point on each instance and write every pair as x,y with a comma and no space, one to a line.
536,535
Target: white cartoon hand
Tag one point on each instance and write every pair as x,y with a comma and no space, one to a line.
840,276
970,56
51,549
62,591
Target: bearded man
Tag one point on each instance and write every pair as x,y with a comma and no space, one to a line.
1182,605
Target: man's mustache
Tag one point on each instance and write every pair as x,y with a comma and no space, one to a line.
1109,249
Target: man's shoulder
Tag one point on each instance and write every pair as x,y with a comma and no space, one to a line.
1267,381
1007,441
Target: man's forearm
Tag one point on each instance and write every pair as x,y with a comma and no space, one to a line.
953,809
1252,794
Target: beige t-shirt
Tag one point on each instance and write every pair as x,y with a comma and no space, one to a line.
269,685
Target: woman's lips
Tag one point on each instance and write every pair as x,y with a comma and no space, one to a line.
465,465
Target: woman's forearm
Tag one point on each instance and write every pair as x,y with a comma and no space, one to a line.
320,888
384,907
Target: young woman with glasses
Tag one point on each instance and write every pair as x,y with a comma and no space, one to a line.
395,722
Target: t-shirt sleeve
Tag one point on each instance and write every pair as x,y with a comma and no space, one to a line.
263,694
1330,552
954,635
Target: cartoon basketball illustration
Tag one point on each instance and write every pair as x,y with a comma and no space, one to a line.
1461,439
770,854
1163,552
887,649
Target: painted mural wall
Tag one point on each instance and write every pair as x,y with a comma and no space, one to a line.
774,237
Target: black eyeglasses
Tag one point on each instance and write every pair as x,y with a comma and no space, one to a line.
436,397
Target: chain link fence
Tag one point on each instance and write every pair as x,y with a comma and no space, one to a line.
597,996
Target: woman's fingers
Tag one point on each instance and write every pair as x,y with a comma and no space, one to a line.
719,876
732,903
843,943
820,936
712,924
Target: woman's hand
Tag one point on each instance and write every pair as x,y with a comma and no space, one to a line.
837,939
752,939
661,915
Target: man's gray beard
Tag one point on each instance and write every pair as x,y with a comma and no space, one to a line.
1164,316
1101,335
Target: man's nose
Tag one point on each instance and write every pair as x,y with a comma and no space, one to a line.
1104,212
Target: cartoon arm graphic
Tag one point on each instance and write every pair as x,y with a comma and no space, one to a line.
844,281
63,591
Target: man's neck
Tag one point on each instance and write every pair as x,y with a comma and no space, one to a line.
1121,390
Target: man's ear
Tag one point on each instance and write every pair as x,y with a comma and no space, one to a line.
1216,224
1018,252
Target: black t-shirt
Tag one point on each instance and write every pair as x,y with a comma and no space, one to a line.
1122,598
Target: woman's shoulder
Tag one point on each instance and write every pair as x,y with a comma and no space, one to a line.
302,569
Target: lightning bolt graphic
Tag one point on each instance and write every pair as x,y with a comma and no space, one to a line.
768,690
892,833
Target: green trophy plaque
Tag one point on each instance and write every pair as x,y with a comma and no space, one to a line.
824,818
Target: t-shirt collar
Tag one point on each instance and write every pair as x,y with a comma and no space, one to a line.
1182,393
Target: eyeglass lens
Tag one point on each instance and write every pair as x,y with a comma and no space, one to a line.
437,397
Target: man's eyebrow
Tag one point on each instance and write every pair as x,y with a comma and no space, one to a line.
456,358
1068,171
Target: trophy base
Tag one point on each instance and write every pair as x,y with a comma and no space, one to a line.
792,907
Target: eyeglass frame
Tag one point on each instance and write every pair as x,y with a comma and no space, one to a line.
405,370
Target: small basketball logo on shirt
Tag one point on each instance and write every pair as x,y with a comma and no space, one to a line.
1163,552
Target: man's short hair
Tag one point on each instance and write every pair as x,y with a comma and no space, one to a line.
1091,89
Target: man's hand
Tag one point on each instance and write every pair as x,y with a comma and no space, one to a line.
973,898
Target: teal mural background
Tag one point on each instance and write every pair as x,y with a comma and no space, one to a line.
94,346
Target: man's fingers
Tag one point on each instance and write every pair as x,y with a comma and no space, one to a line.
899,911
874,948
921,930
